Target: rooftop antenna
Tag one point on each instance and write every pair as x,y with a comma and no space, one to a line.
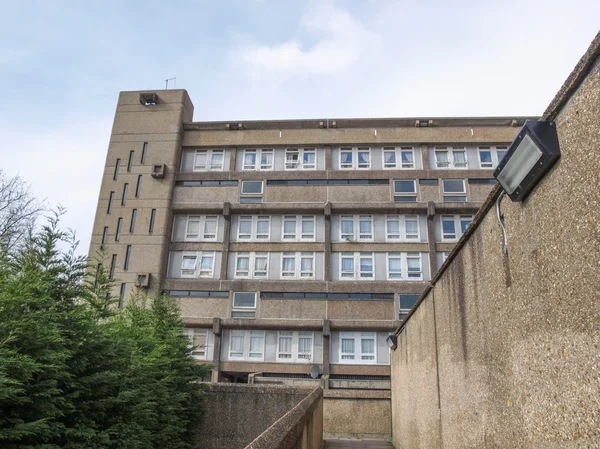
170,79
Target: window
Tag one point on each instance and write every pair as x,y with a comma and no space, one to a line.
127,257
104,236
297,265
252,192
201,228
298,228
258,159
152,219
294,346
406,303
118,232
455,157
246,345
490,157
124,197
122,294
357,265
138,186
405,191
208,160
116,173
454,190
300,159
198,342
356,228
390,158
111,197
130,161
144,150
244,305
113,265
358,347
251,265
132,224
454,226
355,158
198,264
254,228
404,266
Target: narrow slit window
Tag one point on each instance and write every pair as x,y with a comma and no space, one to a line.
113,263
152,218
127,257
116,173
111,197
124,197
118,233
130,161
122,294
132,224
104,236
138,186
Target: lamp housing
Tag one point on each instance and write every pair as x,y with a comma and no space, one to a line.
392,341
529,157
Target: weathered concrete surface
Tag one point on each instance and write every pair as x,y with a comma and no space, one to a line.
236,414
506,354
357,414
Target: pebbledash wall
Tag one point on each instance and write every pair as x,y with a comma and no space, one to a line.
505,353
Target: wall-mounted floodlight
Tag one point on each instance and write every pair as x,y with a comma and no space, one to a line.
392,341
530,156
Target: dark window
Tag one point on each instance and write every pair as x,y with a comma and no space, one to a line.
104,236
325,182
244,300
408,301
127,257
252,187
98,271
117,163
205,183
130,161
152,218
405,186
110,201
132,224
144,149
138,186
251,199
124,197
482,181
118,233
428,182
122,294
113,263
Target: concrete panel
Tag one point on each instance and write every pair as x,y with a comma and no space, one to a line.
356,418
203,307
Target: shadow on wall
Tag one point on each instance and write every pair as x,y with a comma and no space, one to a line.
483,362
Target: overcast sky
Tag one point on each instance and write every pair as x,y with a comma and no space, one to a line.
62,64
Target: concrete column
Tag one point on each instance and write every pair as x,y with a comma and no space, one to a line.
328,157
216,372
327,255
425,156
232,159
326,350
431,237
226,238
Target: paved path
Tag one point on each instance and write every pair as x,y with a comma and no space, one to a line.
358,444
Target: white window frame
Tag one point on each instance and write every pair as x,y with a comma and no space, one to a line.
243,309
191,334
201,220
198,272
452,163
299,164
253,236
294,355
208,166
402,234
297,273
258,160
357,274
494,156
399,164
454,194
457,220
414,194
298,235
252,272
247,336
405,274
358,357
355,164
356,235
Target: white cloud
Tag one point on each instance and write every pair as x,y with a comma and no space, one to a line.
342,41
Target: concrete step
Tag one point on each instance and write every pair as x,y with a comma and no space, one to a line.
358,444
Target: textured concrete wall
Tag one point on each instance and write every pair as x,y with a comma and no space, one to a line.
506,354
236,414
357,414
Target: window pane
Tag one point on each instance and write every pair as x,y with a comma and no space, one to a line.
206,262
501,154
193,228
364,159
454,186
348,264
407,159
249,160
262,227
347,348
245,228
367,346
200,160
308,226
395,267
441,158
251,187
243,299
464,223
389,158
485,157
304,347
266,160
256,346
393,228
285,347
405,186
189,263
346,158
448,228
237,345
210,228
412,228
288,265
243,263
309,159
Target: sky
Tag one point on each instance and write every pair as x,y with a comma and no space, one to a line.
63,63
